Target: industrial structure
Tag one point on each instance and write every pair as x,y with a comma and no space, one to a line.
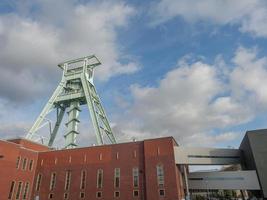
76,88
153,169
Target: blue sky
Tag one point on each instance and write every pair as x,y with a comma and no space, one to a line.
195,70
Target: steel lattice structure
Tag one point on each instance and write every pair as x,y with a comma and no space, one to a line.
76,88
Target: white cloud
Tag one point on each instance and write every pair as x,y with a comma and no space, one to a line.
251,15
194,99
43,33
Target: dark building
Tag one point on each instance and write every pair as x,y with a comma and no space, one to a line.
254,147
143,170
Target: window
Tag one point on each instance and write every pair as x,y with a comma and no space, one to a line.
98,194
11,190
52,181
134,154
117,155
135,177
66,195
162,193
19,190
99,178
160,175
24,163
117,175
38,182
30,165
83,180
67,180
26,190
136,193
50,196
17,163
117,194
82,195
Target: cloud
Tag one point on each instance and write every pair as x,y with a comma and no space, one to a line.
195,98
250,16
41,34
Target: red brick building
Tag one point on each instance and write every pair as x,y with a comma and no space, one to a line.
143,170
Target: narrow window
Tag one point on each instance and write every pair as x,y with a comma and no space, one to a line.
26,190
134,154
117,194
117,155
38,182
17,163
161,192
136,193
135,177
83,180
99,178
66,195
117,175
67,180
11,190
24,163
82,195
52,181
160,175
98,194
30,165
50,196
19,190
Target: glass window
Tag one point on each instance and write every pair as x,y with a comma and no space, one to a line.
17,163
83,180
135,177
24,163
52,181
67,180
66,195
117,194
162,193
117,175
26,190
11,190
30,165
50,196
19,190
160,175
38,182
136,193
99,178
82,195
98,194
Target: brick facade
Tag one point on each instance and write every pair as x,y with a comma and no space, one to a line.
90,172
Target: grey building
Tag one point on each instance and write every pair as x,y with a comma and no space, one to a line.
254,148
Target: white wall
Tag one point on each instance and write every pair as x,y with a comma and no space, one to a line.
228,180
206,156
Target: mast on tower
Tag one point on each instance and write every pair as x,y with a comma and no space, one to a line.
76,88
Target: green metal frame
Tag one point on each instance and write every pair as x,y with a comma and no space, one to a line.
75,88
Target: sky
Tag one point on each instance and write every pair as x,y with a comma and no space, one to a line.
192,69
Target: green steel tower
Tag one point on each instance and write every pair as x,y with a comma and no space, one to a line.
76,88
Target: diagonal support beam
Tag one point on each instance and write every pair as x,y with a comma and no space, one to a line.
57,125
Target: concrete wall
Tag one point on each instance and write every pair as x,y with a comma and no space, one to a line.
254,146
230,180
206,156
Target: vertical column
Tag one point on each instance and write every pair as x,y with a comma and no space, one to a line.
72,125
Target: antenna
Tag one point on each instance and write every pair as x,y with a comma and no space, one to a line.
76,88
